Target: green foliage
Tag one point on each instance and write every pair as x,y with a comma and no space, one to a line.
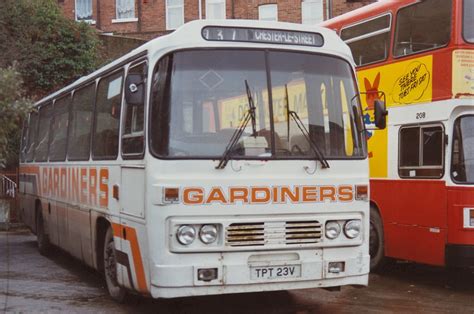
40,51
13,108
50,49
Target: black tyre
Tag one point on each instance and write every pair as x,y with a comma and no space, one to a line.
44,245
376,241
117,292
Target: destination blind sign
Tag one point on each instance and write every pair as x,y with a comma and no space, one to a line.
258,35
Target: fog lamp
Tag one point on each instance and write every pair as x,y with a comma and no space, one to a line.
336,267
207,274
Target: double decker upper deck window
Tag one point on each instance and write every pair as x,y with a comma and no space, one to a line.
423,26
375,34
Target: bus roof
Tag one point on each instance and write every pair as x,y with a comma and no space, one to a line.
190,35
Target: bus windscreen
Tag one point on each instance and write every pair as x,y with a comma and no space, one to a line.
206,99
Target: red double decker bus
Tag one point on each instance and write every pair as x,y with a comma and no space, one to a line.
419,56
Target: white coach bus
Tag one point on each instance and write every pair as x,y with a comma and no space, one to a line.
225,157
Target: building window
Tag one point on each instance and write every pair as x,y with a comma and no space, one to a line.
268,12
174,13
83,10
125,9
215,9
421,151
312,12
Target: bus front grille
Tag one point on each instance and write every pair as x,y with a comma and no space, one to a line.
274,233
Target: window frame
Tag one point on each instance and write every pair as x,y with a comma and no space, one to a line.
452,152
167,77
73,94
372,34
268,5
62,96
35,134
49,103
395,32
312,1
24,139
129,156
94,120
91,20
463,15
225,9
420,151
125,19
167,7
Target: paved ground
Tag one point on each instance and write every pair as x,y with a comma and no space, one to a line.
30,282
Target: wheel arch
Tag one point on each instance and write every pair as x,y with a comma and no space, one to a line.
101,227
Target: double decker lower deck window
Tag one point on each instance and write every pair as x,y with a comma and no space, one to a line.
421,152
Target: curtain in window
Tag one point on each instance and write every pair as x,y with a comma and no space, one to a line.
84,9
215,9
312,12
125,9
268,12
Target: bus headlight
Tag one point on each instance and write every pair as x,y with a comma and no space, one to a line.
186,234
333,229
208,234
352,228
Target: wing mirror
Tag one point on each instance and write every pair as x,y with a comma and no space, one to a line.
135,89
380,112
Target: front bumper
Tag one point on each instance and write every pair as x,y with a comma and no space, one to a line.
172,281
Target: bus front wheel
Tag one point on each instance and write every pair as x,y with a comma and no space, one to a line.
376,240
117,292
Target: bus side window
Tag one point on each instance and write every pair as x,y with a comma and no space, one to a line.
133,133
422,26
24,138
107,117
59,127
421,153
375,34
31,137
80,124
45,117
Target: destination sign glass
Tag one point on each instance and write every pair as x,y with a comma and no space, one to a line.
258,35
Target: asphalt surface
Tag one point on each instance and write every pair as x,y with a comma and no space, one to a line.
30,282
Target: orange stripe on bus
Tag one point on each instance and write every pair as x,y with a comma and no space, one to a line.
136,253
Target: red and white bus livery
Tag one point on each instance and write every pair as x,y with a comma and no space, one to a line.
419,55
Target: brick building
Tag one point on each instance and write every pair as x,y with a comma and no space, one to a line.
150,18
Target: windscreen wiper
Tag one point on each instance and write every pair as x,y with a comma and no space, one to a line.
249,116
304,131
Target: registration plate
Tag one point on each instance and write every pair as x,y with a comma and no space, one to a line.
275,272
